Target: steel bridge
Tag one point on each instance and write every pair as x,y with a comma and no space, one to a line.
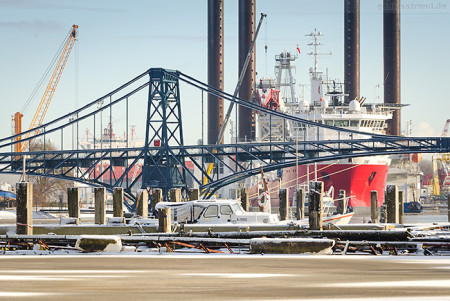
163,154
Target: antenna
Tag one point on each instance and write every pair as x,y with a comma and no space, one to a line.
315,35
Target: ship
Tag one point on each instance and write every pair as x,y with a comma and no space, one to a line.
327,105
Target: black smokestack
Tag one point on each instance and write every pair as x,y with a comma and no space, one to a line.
215,68
351,51
246,34
391,56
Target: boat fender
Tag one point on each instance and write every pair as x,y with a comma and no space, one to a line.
263,201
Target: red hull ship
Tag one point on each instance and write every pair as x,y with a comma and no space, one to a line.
327,105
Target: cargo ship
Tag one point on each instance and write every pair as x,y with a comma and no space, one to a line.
327,105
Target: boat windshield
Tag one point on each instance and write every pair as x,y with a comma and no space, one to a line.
197,212
237,209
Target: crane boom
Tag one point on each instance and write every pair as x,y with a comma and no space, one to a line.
49,91
445,131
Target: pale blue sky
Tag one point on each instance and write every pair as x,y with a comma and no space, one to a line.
121,39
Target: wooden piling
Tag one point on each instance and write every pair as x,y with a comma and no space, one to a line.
175,195
118,202
316,205
284,204
374,206
401,209
194,194
100,205
165,220
142,204
244,199
24,214
73,203
300,206
342,204
156,197
392,204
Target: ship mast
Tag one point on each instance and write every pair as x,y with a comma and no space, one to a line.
315,35
284,81
316,76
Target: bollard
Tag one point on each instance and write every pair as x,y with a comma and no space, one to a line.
118,202
316,205
156,197
392,204
342,204
175,195
73,203
24,214
284,204
374,206
142,204
100,205
164,216
244,199
194,194
300,206
401,209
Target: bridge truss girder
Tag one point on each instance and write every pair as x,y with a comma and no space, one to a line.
165,130
243,160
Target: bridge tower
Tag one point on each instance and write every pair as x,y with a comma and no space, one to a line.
164,130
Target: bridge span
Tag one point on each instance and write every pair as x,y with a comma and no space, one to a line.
163,155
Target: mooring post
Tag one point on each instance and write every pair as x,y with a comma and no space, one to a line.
100,205
24,214
300,206
156,197
118,202
342,204
142,204
316,205
374,206
73,203
194,194
284,204
244,199
165,220
401,209
392,204
175,195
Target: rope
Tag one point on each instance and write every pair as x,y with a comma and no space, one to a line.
29,226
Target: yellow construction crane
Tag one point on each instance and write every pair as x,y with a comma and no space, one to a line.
444,159
48,95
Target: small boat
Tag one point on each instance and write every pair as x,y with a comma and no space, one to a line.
230,212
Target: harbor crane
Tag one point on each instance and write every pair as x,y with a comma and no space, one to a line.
41,111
